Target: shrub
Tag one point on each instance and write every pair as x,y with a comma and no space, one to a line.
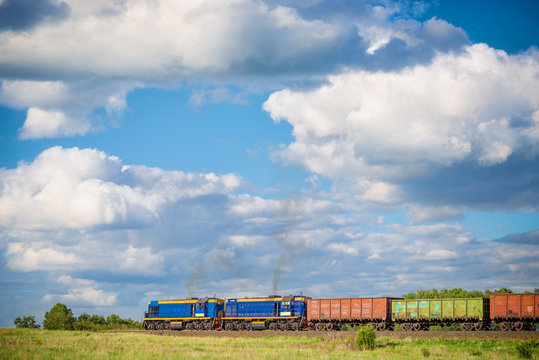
365,337
525,349
426,352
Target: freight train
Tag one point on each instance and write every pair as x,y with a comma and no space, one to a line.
509,311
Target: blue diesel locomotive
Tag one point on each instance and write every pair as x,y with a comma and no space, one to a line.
189,314
272,312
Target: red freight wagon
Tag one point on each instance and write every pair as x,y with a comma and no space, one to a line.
514,311
333,313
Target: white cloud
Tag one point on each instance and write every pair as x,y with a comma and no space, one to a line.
389,128
60,108
102,51
440,254
188,37
418,213
440,113
82,292
46,124
140,261
81,189
342,248
20,257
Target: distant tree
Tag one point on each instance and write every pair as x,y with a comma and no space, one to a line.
83,322
446,294
503,291
59,317
536,290
28,322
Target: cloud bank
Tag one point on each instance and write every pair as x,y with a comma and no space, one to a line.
64,71
478,108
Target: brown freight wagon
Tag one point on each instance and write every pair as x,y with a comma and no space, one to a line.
331,314
514,311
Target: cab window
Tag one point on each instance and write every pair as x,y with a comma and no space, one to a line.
286,304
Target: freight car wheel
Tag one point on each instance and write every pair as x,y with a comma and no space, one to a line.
406,327
504,326
381,326
518,326
329,326
416,327
319,327
478,326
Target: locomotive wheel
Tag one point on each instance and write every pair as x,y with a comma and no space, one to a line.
229,326
283,326
160,326
189,326
518,326
329,326
272,326
294,326
319,327
207,326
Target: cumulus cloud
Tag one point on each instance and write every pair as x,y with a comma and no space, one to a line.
84,188
64,71
390,127
82,292
23,258
59,108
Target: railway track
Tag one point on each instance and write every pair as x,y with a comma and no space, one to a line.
523,335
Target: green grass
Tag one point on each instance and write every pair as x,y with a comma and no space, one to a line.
45,344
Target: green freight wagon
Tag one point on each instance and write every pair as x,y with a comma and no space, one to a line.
417,314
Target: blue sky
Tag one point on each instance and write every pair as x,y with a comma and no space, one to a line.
334,148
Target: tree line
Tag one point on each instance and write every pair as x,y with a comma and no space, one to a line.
60,317
457,293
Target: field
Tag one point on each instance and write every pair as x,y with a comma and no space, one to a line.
43,344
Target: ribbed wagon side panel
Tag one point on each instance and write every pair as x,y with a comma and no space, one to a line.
335,309
514,306
439,309
349,309
313,309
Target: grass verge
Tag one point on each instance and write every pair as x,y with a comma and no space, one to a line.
43,344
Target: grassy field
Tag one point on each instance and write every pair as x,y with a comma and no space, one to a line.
43,344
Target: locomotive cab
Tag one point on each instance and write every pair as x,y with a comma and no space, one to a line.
287,306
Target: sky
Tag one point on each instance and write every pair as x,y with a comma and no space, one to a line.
157,149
